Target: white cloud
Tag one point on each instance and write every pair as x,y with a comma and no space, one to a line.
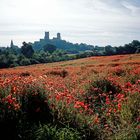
92,21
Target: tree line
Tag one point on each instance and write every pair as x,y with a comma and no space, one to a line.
14,56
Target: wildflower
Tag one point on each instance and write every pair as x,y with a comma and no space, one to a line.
115,110
16,106
78,104
107,100
138,82
128,84
106,125
109,110
96,120
138,126
119,106
108,114
120,96
58,97
138,119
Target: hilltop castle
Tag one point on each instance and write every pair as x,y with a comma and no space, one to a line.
60,44
47,36
46,40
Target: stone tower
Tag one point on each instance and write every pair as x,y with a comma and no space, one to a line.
46,36
59,36
11,44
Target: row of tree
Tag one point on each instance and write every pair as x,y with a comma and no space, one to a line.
26,55
14,56
131,48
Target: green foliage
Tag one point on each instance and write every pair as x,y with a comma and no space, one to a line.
19,113
26,55
8,60
54,133
27,50
109,50
25,62
9,113
3,61
34,103
130,48
129,117
50,48
96,91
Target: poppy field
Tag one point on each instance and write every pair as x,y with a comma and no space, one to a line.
95,98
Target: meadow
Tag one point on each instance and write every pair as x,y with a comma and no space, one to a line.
95,98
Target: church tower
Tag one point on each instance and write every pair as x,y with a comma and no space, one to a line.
59,36
46,36
11,44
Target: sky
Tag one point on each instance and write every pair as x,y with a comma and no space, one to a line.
96,22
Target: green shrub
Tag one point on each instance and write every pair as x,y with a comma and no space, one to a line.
9,114
21,113
34,103
13,65
130,116
48,132
25,62
96,91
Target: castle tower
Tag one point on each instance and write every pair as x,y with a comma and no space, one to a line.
11,44
46,36
59,36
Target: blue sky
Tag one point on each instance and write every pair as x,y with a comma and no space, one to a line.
97,22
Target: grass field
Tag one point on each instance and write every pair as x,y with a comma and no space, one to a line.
85,99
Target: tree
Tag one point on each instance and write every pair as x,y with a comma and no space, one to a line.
129,48
109,50
49,48
3,61
138,50
27,50
135,43
25,62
